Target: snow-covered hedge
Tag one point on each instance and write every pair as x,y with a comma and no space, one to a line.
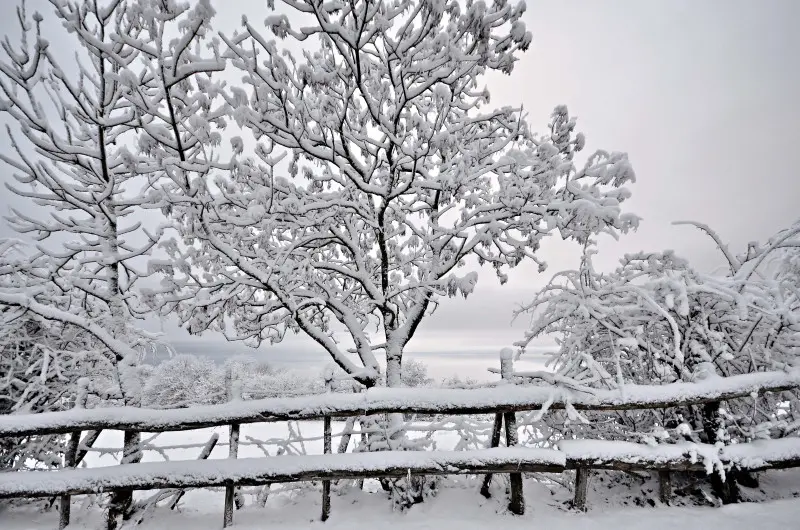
187,380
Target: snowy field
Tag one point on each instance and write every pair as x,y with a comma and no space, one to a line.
461,508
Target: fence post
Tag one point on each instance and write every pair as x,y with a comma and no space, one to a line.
120,505
347,433
204,454
362,427
327,443
234,393
70,456
581,488
495,442
517,503
664,486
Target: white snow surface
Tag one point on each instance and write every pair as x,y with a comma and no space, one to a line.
760,453
629,452
753,455
461,508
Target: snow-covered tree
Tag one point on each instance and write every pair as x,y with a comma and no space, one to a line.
72,165
657,320
184,381
379,170
47,359
70,136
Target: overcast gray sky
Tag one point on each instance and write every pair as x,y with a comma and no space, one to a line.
703,95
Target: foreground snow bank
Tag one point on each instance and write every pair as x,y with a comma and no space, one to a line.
453,508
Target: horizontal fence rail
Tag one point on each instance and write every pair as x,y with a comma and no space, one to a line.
571,454
507,398
759,455
258,471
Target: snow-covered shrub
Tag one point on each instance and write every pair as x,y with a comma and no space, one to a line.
415,374
242,367
282,382
184,381
455,381
658,320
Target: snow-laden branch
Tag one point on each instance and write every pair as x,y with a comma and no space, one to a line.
375,169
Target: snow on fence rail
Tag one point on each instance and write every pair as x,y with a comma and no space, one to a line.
259,471
505,398
503,401
759,455
571,454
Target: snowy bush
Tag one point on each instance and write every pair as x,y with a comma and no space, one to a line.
415,374
658,320
282,383
455,381
183,381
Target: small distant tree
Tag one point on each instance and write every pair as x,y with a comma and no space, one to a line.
415,374
184,381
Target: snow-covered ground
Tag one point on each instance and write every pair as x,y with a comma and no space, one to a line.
461,508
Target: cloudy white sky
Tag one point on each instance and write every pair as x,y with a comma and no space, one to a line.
701,94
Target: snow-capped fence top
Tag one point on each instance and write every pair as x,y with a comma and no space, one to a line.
259,471
501,398
571,454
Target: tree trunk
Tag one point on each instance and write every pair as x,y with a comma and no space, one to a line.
121,501
406,491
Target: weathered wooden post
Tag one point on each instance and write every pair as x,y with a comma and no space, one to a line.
664,486
204,454
347,433
71,455
234,394
120,506
517,503
495,442
327,447
581,488
363,428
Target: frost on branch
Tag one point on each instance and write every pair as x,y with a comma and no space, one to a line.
374,168
76,176
657,320
73,170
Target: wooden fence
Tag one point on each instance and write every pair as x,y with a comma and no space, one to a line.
502,400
